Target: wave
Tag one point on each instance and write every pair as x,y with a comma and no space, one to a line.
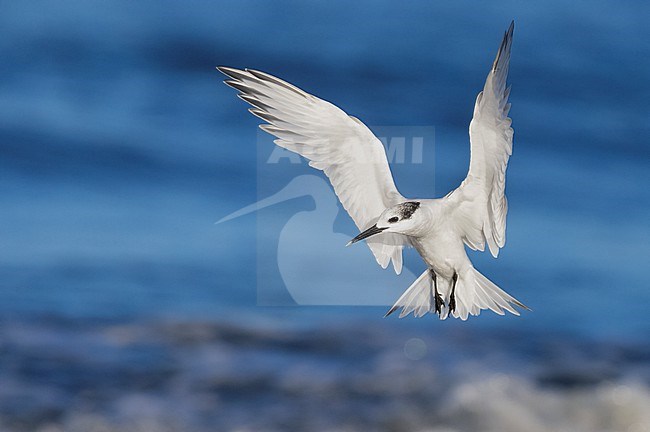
82,375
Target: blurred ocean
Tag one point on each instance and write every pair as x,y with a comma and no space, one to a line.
123,307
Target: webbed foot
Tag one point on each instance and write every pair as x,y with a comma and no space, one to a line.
452,296
437,298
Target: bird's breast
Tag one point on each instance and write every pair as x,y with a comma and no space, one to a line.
443,251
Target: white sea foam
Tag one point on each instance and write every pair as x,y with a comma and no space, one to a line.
182,376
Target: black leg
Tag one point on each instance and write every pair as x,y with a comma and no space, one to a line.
436,295
452,297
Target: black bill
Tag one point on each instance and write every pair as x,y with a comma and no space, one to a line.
367,233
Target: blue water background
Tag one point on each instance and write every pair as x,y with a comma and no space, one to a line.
120,148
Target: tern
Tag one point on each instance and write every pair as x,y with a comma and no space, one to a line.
354,160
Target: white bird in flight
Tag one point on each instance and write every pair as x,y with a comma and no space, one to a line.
355,162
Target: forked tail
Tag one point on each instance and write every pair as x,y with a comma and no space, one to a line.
418,298
473,293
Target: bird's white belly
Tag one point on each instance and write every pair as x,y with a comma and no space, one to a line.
444,252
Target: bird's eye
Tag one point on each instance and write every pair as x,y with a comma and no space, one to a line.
393,219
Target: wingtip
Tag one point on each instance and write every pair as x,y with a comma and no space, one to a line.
391,310
233,73
224,70
504,48
510,32
523,306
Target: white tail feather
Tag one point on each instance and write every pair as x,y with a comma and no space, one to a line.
474,292
417,298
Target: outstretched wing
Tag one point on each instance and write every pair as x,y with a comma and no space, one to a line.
341,146
479,205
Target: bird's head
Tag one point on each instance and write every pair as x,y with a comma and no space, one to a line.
404,218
